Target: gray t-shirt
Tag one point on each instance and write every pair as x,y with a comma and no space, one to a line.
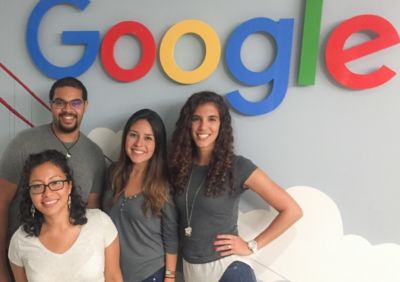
210,215
144,239
87,163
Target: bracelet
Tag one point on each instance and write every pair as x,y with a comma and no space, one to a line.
169,273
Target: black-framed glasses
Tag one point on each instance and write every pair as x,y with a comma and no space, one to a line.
40,188
60,103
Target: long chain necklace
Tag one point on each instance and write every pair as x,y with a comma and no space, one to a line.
188,229
67,148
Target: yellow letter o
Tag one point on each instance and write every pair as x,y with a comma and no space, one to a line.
211,58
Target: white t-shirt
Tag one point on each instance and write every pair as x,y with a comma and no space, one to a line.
84,261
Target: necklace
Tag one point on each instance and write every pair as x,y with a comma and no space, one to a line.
67,148
126,199
188,229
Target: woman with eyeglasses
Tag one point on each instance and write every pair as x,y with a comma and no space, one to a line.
139,202
209,179
59,240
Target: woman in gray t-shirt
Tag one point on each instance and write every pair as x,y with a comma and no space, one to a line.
138,201
208,179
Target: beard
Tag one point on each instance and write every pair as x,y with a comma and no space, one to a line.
66,129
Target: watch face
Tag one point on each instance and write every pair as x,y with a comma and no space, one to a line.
252,245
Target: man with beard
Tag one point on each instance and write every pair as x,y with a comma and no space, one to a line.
68,102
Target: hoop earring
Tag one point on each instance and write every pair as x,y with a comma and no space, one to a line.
33,210
69,202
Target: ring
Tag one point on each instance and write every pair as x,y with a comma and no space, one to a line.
229,247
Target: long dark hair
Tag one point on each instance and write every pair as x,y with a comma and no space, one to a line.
33,225
183,149
155,186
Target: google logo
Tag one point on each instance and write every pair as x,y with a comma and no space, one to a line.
336,56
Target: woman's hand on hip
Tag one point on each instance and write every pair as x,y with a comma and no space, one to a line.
227,244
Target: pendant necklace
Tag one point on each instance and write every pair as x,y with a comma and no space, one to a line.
67,148
188,229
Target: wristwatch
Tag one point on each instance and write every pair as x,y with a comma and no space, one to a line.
252,244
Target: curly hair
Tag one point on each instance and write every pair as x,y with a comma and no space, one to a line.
33,225
183,150
155,186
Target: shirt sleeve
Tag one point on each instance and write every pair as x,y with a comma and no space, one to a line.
12,160
169,223
14,251
242,170
107,195
99,177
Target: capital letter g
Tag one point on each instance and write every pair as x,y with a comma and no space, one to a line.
89,38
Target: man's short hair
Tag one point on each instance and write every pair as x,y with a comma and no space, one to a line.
71,82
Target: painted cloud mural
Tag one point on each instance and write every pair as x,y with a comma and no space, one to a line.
108,140
316,250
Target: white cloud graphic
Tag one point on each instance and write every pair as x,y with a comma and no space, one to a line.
108,141
315,248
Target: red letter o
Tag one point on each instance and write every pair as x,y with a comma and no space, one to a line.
146,61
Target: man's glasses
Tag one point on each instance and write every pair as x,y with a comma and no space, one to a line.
60,103
41,188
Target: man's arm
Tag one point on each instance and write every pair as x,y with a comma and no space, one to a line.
19,273
93,201
7,193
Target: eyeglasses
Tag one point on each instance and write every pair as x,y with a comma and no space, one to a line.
41,188
60,103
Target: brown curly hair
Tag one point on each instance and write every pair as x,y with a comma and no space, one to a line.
183,150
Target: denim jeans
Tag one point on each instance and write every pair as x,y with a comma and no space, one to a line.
157,276
238,271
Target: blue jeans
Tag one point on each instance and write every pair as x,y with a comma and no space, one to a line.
157,276
238,271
